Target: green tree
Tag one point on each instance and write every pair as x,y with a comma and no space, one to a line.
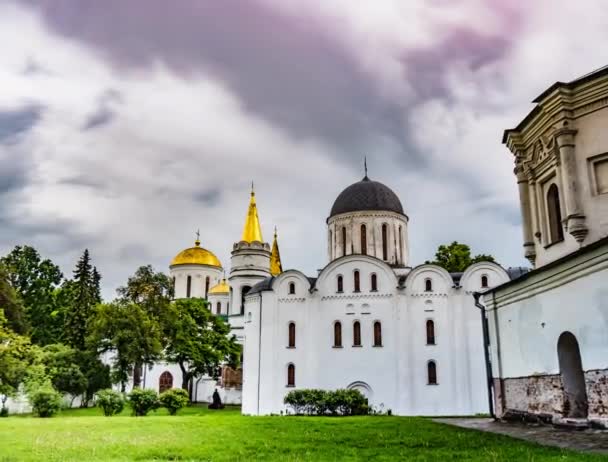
35,280
153,292
130,333
456,257
16,356
96,372
198,341
11,305
61,363
83,295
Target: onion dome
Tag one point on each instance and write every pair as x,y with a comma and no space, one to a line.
220,289
196,256
367,195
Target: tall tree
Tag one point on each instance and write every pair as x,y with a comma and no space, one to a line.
198,341
456,257
129,333
151,291
35,281
11,305
61,363
83,296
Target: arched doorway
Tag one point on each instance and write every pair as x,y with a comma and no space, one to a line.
165,382
573,378
362,387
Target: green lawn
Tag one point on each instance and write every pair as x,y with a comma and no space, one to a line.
199,434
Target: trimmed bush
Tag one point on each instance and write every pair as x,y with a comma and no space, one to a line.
143,401
323,402
110,401
45,401
174,399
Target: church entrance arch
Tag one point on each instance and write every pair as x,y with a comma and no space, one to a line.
573,378
165,382
362,387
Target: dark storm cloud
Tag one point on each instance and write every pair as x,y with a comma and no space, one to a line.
289,71
211,196
15,122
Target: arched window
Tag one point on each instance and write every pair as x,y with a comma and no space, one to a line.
338,334
206,286
357,334
363,240
292,335
218,308
384,242
292,288
357,281
556,231
165,382
244,291
343,240
291,375
331,245
340,284
430,332
188,286
374,282
400,245
428,285
377,334
484,281
432,372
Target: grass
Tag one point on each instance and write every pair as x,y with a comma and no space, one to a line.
199,434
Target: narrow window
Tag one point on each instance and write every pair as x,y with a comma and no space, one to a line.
430,332
291,375
556,231
338,334
357,282
385,242
174,284
165,382
377,334
374,283
343,240
331,245
428,285
484,281
218,308
432,373
400,245
292,335
292,288
363,240
340,284
244,291
206,286
188,286
357,334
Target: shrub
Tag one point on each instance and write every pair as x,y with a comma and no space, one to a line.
143,401
174,399
45,401
111,402
322,402
4,412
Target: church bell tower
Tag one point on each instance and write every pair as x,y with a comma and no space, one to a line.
250,259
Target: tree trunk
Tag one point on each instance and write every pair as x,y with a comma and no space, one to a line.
137,375
186,378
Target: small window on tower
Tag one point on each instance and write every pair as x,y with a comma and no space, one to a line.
357,334
374,283
340,283
188,286
291,375
484,281
428,285
357,281
292,335
292,288
337,334
432,373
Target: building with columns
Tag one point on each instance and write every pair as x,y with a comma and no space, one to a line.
548,328
408,337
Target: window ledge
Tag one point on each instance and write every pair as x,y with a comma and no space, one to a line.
431,344
357,291
432,384
374,290
357,346
377,346
290,386
337,346
291,347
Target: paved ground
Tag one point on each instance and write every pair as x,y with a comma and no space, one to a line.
583,440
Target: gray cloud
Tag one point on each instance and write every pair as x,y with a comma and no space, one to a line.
14,122
104,112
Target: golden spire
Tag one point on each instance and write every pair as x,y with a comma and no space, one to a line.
252,230
275,257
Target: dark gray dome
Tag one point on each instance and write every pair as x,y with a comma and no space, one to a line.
366,195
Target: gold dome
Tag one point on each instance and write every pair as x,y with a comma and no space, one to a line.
196,256
221,288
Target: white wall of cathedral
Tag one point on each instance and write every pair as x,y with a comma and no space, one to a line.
193,281
395,374
345,236
219,303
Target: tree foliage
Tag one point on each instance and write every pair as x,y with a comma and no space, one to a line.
197,340
16,357
35,280
11,305
61,363
456,257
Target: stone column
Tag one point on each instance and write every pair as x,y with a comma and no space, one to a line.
526,213
575,217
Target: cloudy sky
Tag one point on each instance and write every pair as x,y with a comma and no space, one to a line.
126,125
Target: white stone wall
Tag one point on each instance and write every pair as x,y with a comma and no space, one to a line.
198,273
393,376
